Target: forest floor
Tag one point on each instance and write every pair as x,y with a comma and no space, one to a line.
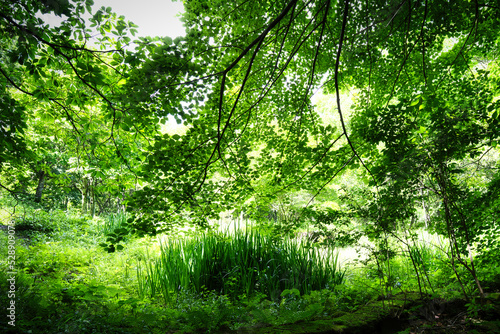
405,314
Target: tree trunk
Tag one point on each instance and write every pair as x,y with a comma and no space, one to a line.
84,192
41,185
92,198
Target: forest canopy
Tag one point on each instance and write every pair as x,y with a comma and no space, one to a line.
83,106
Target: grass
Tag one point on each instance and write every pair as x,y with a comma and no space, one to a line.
112,222
239,264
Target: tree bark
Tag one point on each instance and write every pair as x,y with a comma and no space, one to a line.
41,185
92,198
84,192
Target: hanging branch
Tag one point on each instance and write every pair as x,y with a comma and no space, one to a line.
337,90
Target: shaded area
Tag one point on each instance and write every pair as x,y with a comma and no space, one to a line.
404,313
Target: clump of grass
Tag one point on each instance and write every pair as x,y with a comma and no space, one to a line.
112,222
238,265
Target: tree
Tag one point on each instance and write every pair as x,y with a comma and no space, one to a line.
52,78
259,75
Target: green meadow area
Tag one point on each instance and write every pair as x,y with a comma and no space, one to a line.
289,166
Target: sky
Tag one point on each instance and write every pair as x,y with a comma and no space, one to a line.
154,17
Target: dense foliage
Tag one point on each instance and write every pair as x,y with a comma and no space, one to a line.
85,110
351,123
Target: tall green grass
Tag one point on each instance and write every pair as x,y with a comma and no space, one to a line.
238,265
112,222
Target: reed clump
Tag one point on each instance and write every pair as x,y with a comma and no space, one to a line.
238,265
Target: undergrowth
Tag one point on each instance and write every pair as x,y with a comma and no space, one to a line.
66,282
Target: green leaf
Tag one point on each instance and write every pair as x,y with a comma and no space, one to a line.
415,102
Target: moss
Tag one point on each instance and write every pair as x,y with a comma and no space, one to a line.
316,327
373,317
